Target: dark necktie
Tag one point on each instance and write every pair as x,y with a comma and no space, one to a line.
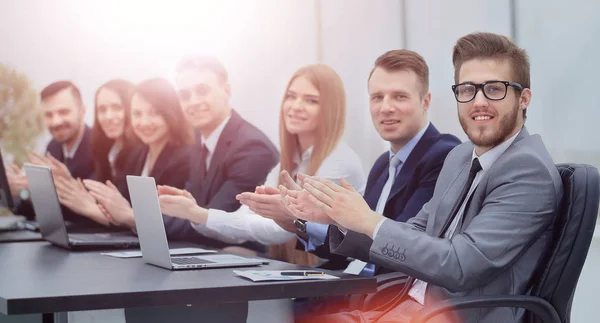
204,167
475,168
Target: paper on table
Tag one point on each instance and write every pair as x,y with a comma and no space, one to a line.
173,252
267,275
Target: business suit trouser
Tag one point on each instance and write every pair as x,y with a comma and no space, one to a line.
400,314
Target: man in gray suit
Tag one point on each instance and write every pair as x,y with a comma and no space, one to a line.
489,221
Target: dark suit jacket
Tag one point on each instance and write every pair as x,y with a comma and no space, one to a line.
413,185
80,166
171,168
243,158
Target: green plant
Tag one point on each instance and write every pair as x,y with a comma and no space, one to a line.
20,122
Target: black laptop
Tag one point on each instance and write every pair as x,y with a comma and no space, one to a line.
51,221
6,199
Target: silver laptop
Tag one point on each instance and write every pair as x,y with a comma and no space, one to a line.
51,222
153,237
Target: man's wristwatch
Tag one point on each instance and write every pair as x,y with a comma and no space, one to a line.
301,229
300,225
24,194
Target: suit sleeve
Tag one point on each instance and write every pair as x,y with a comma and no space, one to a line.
519,206
246,170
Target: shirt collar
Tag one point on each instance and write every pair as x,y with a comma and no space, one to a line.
71,154
489,157
213,138
304,158
405,151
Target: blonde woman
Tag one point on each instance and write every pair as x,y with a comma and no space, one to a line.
311,124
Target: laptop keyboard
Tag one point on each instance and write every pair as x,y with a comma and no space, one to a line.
189,261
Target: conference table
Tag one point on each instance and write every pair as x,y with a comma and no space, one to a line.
39,278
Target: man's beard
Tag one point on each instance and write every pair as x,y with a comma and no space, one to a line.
482,138
65,137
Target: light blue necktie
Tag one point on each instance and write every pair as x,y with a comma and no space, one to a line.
369,269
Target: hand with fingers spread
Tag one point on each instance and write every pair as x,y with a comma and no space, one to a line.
58,169
180,204
115,205
342,204
266,202
297,200
37,159
17,181
72,194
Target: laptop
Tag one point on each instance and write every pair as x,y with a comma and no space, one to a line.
6,198
51,221
153,237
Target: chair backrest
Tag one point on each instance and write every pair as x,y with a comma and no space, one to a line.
557,276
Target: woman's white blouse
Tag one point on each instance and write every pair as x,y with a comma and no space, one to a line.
244,225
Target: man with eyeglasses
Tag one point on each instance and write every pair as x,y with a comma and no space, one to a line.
489,221
231,156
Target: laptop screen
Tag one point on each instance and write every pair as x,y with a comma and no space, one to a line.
46,204
149,220
6,199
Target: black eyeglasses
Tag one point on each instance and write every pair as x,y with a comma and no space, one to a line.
493,90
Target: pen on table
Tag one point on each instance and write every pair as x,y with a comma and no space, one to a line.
302,273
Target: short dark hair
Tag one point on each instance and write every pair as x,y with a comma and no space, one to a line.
203,62
51,90
404,60
492,46
162,96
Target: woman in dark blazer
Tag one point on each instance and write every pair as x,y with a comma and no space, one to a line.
109,147
158,124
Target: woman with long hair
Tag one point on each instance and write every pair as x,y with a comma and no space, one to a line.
158,123
109,147
311,124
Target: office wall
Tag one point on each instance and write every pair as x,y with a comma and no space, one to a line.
562,41
263,42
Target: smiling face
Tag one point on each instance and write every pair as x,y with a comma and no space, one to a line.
486,122
63,115
147,124
204,98
110,112
301,107
398,107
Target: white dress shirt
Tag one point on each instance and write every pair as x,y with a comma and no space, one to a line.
244,225
417,292
112,156
212,140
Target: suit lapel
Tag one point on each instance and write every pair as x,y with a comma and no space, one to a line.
442,212
373,197
141,160
430,136
162,162
221,149
468,216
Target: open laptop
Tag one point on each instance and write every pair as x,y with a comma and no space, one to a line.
51,222
153,237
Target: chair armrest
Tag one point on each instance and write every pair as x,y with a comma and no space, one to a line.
538,306
386,282
385,278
